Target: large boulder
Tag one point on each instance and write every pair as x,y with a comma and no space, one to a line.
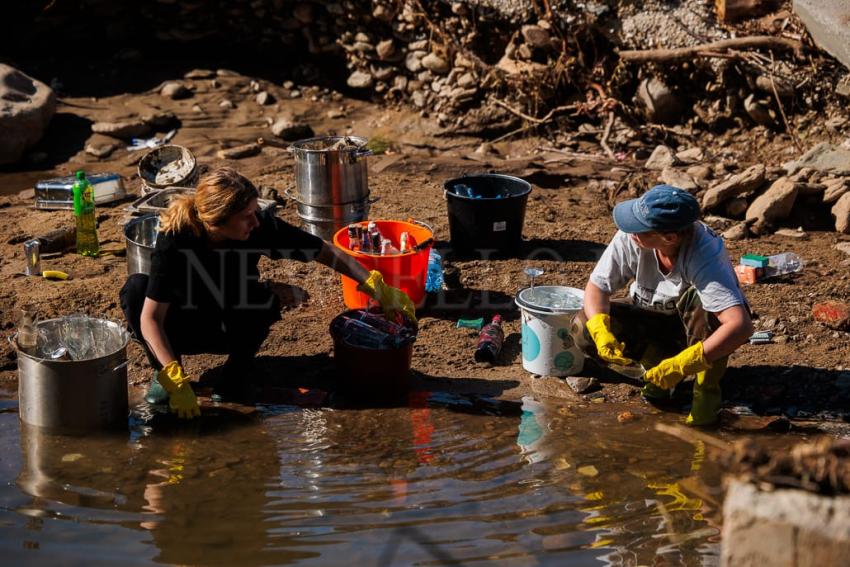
26,107
775,204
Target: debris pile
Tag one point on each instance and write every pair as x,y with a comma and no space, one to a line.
822,466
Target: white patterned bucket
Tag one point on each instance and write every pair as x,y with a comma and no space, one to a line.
547,346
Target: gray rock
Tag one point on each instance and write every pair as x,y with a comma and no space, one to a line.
175,91
264,98
823,157
835,189
661,157
436,64
26,108
826,21
582,384
677,178
413,61
101,151
123,130
419,99
775,204
700,173
359,80
658,101
200,74
843,247
749,180
841,213
760,111
382,72
467,81
736,232
239,152
535,36
386,49
795,233
287,128
691,155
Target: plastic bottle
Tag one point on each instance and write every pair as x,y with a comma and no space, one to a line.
490,341
434,279
87,243
781,264
387,248
404,242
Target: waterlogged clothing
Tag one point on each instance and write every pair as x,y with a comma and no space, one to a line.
702,263
190,271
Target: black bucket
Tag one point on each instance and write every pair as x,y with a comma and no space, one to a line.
490,219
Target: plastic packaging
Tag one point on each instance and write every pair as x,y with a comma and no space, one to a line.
434,279
490,341
87,243
781,264
28,329
370,330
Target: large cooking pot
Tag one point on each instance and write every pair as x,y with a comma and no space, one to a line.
140,235
85,393
327,177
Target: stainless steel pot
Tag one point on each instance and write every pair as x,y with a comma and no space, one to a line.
325,177
76,395
324,221
140,236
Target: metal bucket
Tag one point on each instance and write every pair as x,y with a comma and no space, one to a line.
140,235
324,221
75,395
168,166
325,177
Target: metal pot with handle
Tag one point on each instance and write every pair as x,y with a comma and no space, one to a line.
331,170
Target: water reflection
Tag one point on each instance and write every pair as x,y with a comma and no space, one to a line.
445,480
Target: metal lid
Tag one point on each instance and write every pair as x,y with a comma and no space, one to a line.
551,298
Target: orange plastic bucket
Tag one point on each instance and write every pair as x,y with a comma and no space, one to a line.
405,271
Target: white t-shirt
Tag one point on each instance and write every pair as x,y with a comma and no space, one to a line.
702,263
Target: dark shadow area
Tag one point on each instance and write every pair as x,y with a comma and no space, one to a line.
314,381
454,304
533,249
65,137
797,392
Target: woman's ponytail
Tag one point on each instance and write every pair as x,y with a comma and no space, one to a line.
181,215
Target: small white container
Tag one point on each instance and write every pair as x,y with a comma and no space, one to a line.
547,317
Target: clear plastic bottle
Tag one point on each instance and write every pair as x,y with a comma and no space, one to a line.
434,279
781,264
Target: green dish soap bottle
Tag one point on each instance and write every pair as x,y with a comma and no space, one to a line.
87,243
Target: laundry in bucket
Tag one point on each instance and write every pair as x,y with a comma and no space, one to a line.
370,330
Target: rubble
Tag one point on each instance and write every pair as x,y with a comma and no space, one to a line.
662,157
773,205
752,178
841,213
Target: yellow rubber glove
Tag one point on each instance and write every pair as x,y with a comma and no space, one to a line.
181,398
671,371
391,299
607,346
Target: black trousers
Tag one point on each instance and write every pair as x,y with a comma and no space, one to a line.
239,333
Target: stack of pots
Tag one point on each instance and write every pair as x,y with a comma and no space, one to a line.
331,184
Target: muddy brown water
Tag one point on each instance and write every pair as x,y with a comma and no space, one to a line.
444,480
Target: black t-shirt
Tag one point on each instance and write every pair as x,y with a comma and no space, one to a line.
191,272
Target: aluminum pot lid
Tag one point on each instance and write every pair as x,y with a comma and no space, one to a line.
551,298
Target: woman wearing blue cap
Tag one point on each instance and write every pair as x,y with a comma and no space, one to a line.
686,312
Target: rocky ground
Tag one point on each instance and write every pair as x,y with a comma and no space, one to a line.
798,380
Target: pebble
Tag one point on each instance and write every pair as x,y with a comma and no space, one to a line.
100,150
264,98
226,104
175,91
627,417
199,74
336,113
290,130
359,80
239,152
661,158
436,64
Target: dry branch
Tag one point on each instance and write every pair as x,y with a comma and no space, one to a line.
713,49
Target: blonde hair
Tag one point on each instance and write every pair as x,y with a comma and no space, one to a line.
220,194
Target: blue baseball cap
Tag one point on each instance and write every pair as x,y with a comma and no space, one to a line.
663,208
